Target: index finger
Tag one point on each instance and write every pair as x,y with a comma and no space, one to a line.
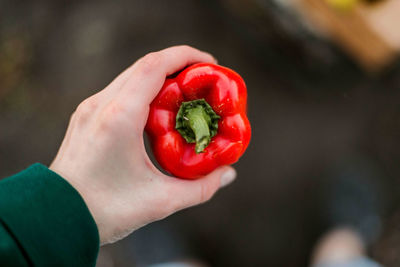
149,73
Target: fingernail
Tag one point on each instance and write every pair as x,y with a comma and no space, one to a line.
227,177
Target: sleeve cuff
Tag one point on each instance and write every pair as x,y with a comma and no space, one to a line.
49,218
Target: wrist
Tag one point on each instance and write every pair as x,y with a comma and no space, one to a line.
93,204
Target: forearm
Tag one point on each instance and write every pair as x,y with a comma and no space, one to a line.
45,222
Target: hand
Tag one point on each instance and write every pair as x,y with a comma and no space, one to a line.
104,158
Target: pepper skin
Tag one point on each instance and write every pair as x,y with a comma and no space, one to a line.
225,91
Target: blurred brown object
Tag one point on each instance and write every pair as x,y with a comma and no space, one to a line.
367,31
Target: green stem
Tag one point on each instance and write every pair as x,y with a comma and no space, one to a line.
197,119
197,122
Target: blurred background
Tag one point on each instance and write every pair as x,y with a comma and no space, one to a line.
323,84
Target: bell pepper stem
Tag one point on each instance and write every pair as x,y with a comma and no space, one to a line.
198,123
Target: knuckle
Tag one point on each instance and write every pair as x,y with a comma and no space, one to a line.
186,47
110,114
81,109
150,62
111,117
72,118
87,105
186,50
84,110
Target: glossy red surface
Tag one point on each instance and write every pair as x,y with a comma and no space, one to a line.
226,93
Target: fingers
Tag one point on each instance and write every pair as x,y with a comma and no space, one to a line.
187,193
178,57
148,73
120,80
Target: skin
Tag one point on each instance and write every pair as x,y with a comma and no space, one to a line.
338,246
103,155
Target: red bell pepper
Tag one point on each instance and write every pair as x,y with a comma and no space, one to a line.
198,121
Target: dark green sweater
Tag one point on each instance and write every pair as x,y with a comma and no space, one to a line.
44,222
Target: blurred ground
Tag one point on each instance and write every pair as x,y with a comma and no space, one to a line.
306,112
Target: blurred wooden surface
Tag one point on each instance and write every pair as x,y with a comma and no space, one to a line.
368,32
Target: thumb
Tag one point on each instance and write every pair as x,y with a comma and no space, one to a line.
189,193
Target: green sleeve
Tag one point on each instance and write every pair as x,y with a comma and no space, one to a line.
44,222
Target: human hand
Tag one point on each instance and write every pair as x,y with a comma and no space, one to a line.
103,155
